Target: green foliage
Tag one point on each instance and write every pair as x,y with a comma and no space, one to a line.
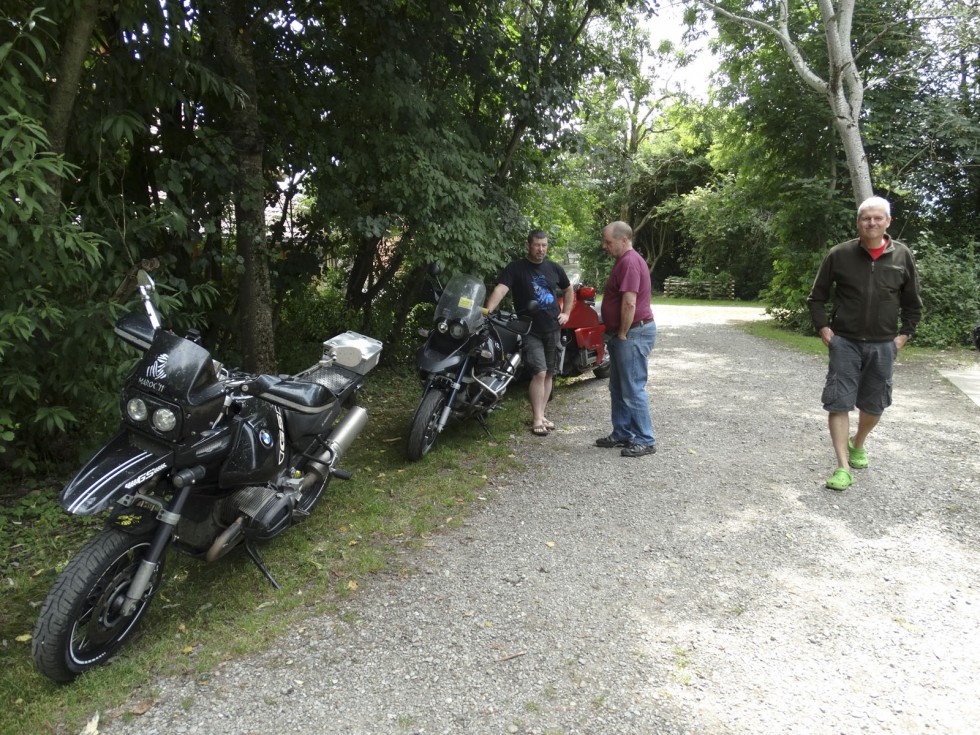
950,286
309,315
730,237
318,310
46,321
55,312
563,206
785,298
466,107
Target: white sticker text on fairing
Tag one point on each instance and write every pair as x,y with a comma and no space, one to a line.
144,477
151,384
282,436
155,373
158,370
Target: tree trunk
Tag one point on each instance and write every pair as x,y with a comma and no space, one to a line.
843,89
233,43
75,46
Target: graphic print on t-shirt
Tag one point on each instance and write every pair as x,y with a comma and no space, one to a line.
542,291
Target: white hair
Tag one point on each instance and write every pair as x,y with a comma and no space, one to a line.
876,203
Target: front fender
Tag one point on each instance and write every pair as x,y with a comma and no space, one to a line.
433,361
117,469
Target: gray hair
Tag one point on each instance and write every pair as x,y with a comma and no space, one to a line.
875,203
620,229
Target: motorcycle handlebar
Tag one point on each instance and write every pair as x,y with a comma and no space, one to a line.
511,322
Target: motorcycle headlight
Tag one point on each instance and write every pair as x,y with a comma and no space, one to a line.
136,409
457,330
164,420
442,327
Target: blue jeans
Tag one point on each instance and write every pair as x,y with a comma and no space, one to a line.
628,385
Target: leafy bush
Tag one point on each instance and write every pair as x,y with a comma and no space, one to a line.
785,297
49,266
950,286
310,314
732,238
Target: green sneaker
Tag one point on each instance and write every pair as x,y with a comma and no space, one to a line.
857,458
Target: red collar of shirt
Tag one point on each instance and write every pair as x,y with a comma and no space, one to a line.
876,252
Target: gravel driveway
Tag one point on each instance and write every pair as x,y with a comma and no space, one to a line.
716,587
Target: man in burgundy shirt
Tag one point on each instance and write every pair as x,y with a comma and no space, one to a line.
632,333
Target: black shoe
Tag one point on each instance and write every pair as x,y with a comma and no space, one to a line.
608,442
638,450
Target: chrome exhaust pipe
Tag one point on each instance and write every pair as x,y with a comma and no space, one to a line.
337,443
226,541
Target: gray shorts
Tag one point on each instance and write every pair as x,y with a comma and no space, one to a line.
859,374
541,352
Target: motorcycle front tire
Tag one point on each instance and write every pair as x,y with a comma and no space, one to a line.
425,424
80,625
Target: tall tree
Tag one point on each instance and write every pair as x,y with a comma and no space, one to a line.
841,84
231,26
466,104
75,45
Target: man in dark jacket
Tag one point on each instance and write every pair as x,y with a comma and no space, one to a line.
874,284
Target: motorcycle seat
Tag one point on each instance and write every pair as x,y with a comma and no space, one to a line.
297,395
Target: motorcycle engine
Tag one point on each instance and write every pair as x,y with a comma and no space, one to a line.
268,512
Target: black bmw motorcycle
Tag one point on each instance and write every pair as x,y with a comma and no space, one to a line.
467,362
206,459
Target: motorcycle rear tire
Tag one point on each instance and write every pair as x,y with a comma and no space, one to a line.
425,424
603,369
79,626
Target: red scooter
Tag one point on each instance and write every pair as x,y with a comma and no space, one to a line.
581,347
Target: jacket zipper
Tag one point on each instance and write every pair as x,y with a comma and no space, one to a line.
869,295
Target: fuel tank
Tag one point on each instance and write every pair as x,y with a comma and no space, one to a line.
258,447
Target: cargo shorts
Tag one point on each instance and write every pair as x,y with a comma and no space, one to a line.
859,374
541,352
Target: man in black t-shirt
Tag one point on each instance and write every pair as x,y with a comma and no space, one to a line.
539,279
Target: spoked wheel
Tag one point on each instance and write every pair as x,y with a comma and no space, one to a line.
425,424
81,622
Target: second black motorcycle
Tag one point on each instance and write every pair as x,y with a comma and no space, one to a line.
467,362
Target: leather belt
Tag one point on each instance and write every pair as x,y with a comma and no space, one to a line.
641,323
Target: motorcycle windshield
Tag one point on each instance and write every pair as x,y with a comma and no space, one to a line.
462,299
177,369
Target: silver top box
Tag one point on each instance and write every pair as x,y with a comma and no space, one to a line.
353,351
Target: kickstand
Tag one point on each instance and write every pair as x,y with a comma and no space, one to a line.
483,422
253,554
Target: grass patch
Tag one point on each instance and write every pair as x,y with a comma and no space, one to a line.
768,329
813,345
205,614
